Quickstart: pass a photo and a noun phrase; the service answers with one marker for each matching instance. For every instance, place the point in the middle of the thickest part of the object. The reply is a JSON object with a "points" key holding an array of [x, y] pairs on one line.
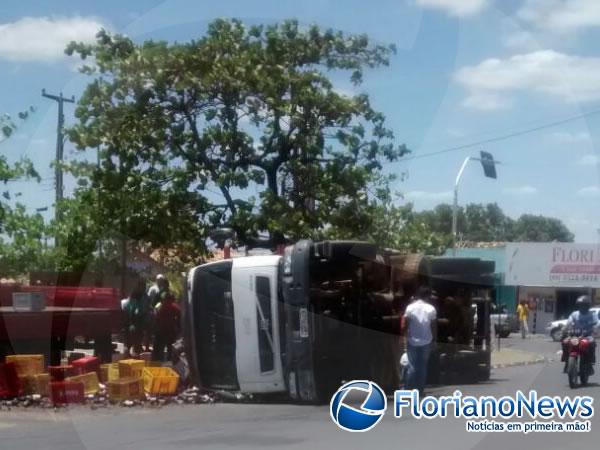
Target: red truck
{"points": [[88, 312]]}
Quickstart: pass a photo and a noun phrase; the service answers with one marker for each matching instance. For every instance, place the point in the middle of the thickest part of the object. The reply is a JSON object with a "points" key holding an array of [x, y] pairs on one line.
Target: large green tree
{"points": [[244, 127], [486, 223], [534, 228], [397, 227]]}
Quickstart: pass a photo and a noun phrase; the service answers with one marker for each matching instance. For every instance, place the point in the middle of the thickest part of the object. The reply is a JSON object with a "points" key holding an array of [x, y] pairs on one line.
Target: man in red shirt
{"points": [[168, 319]]}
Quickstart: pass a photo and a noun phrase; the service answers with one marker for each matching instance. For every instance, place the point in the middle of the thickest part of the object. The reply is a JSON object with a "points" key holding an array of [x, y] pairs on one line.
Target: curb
{"points": [[539, 360]]}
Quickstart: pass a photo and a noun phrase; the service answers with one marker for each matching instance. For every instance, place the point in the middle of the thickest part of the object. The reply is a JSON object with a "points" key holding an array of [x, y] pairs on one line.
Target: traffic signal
{"points": [[489, 165]]}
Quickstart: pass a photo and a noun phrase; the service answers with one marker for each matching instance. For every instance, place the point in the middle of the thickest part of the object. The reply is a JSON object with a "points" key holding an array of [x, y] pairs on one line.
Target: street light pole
{"points": [[489, 169], [455, 205]]}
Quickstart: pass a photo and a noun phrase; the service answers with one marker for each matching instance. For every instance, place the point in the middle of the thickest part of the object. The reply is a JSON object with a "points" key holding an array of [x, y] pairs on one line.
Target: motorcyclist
{"points": [[583, 322]]}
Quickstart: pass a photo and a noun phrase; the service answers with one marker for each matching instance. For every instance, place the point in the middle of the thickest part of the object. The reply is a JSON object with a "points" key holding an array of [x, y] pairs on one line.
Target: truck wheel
{"points": [[504, 334]]}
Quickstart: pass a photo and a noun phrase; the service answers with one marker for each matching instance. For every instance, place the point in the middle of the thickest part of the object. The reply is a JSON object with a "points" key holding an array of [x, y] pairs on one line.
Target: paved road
{"points": [[229, 426]]}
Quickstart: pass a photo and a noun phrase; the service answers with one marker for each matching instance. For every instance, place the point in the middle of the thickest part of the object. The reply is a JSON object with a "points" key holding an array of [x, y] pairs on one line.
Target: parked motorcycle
{"points": [[579, 361]]}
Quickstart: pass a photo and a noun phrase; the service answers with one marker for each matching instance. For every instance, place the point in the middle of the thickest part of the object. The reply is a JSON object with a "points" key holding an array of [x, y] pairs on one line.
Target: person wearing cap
{"points": [[582, 322]]}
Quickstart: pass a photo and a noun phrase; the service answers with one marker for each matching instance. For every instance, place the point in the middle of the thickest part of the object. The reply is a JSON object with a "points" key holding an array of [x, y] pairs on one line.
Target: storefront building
{"points": [[548, 276]]}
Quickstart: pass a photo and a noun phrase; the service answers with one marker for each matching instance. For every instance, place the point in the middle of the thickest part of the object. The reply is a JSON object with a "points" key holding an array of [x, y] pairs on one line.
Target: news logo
{"points": [[359, 418]]}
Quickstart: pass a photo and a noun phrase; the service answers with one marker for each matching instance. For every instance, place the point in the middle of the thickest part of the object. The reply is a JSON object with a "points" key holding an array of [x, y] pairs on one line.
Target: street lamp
{"points": [[489, 170]]}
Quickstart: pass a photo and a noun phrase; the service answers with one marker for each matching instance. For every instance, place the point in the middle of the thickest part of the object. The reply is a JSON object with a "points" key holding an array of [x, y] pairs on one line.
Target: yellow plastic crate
{"points": [[131, 368], [36, 384], [109, 372], [27, 364], [89, 380], [42, 384], [28, 382], [160, 380], [130, 388]]}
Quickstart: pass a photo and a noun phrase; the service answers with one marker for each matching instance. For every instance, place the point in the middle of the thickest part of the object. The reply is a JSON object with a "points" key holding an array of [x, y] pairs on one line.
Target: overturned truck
{"points": [[323, 313]]}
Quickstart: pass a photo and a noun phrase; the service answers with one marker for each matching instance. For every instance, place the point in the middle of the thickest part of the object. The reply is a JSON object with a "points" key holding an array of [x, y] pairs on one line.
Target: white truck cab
{"points": [[234, 317]]}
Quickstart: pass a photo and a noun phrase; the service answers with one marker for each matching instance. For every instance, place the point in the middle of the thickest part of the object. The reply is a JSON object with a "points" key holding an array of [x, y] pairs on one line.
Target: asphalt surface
{"points": [[282, 426]]}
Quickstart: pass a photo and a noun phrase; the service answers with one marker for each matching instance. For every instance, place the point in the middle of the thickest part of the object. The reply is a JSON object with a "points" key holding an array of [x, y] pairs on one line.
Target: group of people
{"points": [[152, 317]]}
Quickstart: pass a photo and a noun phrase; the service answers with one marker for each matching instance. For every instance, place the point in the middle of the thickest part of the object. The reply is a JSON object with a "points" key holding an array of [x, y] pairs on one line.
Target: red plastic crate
{"points": [[63, 392], [10, 384], [59, 373], [85, 365]]}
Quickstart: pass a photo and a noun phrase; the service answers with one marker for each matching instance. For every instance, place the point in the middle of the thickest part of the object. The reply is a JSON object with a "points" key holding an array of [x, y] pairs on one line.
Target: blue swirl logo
{"points": [[358, 418]]}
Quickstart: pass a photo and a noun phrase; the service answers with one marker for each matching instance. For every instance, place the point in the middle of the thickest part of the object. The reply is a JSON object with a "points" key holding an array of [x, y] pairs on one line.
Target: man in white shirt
{"points": [[420, 321]]}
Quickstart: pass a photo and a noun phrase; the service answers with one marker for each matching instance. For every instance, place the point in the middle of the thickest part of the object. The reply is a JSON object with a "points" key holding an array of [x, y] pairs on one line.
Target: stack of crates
{"points": [[85, 365], [131, 368], [86, 371], [30, 370], [160, 380], [62, 389]]}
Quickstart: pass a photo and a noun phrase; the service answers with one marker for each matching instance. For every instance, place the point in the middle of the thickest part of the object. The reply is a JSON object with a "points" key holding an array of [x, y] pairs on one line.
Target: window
{"points": [[264, 324]]}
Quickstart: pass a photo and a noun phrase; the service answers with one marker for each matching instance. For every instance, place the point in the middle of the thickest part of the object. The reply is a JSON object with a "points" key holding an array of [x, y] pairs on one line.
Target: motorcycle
{"points": [[579, 361]]}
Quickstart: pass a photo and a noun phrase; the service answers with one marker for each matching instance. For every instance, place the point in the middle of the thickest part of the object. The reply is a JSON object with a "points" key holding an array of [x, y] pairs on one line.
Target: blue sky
{"points": [[466, 71]]}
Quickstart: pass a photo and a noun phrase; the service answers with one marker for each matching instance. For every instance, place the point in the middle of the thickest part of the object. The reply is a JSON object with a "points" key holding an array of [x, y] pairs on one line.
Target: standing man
{"points": [[156, 291], [137, 311], [168, 320], [161, 285], [523, 314], [420, 321]]}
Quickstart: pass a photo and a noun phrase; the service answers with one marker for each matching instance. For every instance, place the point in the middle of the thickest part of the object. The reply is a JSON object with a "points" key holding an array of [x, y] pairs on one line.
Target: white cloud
{"points": [[432, 196], [545, 72], [589, 160], [561, 15], [589, 191], [521, 190], [566, 137], [459, 8], [486, 101], [44, 38], [521, 40]]}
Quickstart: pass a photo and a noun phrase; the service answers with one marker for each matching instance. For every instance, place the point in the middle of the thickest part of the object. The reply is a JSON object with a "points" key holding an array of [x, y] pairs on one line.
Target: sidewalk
{"points": [[507, 357]]}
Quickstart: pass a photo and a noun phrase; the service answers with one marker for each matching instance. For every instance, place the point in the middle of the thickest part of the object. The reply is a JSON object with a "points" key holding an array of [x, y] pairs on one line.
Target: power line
{"points": [[504, 137]]}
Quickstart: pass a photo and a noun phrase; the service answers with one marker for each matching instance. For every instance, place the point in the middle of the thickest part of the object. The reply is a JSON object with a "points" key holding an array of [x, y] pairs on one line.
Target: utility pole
{"points": [[58, 174]]}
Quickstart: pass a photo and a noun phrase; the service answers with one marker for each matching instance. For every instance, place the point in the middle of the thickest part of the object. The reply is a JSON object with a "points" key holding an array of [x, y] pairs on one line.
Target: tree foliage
{"points": [[243, 127], [22, 244], [486, 223]]}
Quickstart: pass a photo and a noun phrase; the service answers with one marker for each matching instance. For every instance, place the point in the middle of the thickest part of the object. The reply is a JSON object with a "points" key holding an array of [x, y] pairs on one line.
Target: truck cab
{"points": [[232, 313]]}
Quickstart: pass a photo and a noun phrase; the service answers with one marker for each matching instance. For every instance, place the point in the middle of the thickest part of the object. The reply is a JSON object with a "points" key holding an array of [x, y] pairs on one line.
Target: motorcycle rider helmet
{"points": [[583, 303]]}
